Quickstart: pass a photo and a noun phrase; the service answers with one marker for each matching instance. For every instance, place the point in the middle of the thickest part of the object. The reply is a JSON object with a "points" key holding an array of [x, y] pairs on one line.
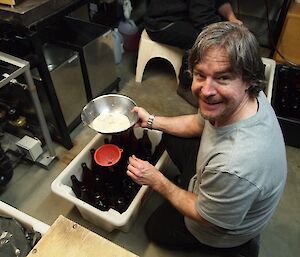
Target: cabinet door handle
{"points": [[74, 57]]}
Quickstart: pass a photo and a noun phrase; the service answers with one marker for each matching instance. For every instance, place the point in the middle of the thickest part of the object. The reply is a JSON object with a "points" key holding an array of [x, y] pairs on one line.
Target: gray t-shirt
{"points": [[241, 173]]}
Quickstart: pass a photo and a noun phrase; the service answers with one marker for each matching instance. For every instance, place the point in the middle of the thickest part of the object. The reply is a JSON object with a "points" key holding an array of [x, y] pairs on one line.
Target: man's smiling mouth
{"points": [[209, 102]]}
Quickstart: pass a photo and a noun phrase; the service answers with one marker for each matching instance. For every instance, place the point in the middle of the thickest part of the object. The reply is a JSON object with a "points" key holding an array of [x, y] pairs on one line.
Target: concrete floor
{"points": [[30, 192]]}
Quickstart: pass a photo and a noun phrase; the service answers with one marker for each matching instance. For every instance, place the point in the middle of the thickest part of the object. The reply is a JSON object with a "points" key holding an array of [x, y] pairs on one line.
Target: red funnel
{"points": [[107, 155]]}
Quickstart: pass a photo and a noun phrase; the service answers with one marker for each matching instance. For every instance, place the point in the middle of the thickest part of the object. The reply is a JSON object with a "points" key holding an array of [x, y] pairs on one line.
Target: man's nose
{"points": [[207, 87]]}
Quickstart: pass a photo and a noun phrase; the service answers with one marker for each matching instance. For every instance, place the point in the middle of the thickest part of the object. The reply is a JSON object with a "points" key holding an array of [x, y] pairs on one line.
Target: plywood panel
{"points": [[66, 238]]}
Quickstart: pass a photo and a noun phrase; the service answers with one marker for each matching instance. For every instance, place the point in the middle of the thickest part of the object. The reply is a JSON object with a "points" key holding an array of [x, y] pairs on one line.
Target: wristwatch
{"points": [[150, 121]]}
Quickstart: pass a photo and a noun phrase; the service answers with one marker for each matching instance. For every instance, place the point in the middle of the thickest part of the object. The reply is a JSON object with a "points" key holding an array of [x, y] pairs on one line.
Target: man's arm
{"points": [[143, 173], [184, 201], [225, 10], [182, 126]]}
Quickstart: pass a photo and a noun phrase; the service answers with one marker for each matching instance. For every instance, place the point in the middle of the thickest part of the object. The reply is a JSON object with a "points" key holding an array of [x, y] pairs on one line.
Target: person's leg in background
{"points": [[183, 152], [180, 34], [185, 80]]}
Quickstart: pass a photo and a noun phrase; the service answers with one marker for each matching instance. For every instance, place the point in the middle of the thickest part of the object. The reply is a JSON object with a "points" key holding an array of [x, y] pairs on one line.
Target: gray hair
{"points": [[242, 49]]}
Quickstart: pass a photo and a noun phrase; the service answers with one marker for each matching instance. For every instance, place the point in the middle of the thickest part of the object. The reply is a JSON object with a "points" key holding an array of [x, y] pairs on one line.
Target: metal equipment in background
{"points": [[11, 68], [64, 68], [94, 45]]}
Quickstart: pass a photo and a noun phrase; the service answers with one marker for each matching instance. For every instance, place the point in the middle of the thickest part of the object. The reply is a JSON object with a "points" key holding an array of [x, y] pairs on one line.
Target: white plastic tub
{"points": [[26, 220], [111, 219]]}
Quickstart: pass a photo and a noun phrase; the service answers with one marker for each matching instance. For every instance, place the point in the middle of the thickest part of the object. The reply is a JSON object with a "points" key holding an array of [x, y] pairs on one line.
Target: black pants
{"points": [[181, 34], [166, 225]]}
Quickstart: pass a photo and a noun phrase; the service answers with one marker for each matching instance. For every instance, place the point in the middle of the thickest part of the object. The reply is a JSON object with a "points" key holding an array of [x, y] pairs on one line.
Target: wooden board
{"points": [[66, 238]]}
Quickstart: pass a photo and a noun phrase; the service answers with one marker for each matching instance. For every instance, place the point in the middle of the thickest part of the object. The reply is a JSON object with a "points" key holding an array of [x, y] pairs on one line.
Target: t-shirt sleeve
{"points": [[224, 199]]}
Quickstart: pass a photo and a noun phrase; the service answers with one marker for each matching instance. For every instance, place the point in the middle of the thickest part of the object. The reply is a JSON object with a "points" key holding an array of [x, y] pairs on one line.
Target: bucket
{"points": [[130, 34], [118, 45]]}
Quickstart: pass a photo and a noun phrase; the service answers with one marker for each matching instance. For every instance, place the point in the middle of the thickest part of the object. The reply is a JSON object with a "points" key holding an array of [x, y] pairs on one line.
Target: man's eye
{"points": [[223, 79], [197, 75]]}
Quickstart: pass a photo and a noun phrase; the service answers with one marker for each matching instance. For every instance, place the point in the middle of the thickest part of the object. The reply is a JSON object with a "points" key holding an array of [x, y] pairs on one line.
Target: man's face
{"points": [[222, 96]]}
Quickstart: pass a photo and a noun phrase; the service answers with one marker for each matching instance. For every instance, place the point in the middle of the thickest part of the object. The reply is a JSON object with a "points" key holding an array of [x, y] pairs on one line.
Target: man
{"points": [[241, 163], [178, 23]]}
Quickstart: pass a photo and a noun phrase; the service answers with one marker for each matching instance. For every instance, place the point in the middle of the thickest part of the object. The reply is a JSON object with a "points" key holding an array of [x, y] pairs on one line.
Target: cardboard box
{"points": [[111, 219], [288, 41]]}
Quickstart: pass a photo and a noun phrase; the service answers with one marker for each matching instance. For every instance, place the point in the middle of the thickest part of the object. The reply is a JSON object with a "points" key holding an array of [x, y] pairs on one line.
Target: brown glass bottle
{"points": [[76, 186], [145, 146], [87, 176], [94, 165], [120, 139], [100, 202], [110, 194], [132, 143], [115, 139], [121, 205], [85, 195], [99, 183], [158, 151]]}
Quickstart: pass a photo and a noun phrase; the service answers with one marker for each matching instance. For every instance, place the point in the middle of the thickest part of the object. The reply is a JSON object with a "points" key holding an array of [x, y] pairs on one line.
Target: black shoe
{"points": [[187, 95]]}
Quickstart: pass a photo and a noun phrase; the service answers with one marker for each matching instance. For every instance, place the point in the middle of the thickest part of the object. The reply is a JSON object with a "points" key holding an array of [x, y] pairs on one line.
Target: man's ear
{"points": [[248, 87]]}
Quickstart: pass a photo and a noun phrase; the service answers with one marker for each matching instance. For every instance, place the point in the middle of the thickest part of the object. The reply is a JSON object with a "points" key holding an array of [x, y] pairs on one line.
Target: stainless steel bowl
{"points": [[111, 103]]}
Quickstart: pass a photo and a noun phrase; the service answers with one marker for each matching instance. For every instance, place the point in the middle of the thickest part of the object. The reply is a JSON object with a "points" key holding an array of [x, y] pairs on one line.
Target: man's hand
{"points": [[235, 20], [226, 11], [143, 117], [143, 173]]}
